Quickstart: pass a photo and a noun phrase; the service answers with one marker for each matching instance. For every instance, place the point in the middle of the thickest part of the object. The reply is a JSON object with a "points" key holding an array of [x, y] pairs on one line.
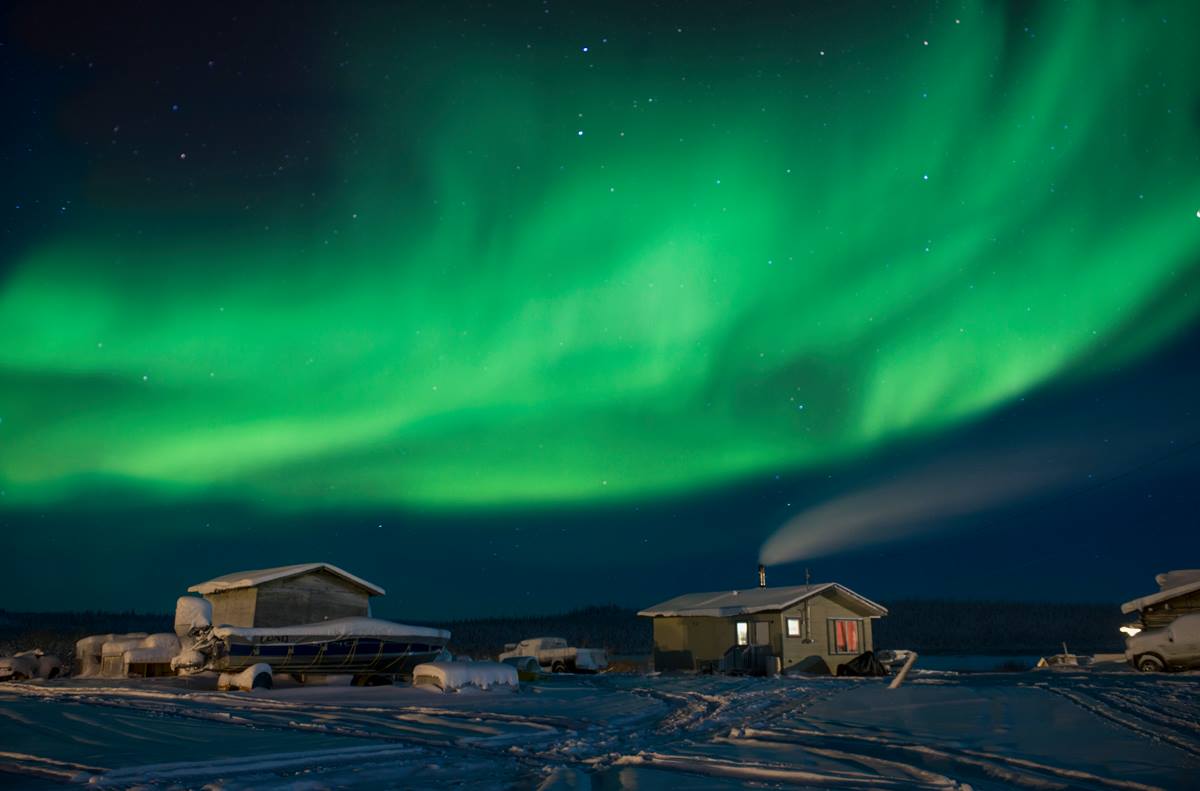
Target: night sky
{"points": [[515, 307]]}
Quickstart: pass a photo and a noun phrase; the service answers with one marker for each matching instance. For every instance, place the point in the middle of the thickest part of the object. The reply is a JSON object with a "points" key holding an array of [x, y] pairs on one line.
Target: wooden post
{"points": [[908, 663]]}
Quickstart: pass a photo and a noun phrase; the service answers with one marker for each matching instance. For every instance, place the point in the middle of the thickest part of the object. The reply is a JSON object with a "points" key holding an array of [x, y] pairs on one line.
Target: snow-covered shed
{"points": [[136, 654], [1178, 594], [809, 627], [287, 595]]}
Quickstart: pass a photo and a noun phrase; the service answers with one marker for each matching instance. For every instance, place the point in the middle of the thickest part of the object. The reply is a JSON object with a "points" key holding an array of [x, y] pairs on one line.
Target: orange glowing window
{"points": [[846, 636]]}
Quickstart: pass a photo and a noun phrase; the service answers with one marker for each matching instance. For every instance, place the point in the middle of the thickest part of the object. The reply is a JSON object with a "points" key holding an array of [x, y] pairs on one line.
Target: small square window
{"points": [[793, 627], [743, 633]]}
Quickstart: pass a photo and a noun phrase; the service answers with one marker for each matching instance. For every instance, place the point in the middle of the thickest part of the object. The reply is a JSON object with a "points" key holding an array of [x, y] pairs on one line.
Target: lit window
{"points": [[793, 627], [845, 636], [743, 633]]}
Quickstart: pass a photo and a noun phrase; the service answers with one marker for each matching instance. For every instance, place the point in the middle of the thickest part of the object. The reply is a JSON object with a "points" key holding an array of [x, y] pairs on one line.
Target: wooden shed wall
{"points": [[234, 607], [315, 596]]}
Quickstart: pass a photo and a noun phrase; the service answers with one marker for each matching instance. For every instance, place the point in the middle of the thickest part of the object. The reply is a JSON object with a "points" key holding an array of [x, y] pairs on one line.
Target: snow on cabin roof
{"points": [[249, 579], [1164, 595], [751, 600]]}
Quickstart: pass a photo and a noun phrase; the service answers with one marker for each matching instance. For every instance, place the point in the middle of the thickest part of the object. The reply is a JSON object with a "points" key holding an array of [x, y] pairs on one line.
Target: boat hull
{"points": [[357, 655]]}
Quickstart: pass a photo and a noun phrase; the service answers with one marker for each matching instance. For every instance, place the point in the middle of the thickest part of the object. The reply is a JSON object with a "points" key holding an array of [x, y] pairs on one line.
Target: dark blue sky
{"points": [[1124, 501]]}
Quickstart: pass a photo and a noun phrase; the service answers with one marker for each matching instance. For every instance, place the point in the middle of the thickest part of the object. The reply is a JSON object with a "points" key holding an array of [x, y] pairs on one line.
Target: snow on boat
{"points": [[365, 646]]}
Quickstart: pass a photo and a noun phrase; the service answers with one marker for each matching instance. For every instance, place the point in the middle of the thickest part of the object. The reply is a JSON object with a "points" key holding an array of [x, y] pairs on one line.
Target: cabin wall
{"points": [[309, 598], [818, 655], [686, 643], [234, 607]]}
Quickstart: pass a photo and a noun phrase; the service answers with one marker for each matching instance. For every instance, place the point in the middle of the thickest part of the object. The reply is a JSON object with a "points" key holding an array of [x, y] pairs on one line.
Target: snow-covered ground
{"points": [[1041, 730]]}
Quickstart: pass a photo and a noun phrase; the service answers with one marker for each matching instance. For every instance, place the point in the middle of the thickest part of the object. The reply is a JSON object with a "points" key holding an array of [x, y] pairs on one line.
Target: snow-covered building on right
{"points": [[812, 628], [1178, 594], [1167, 634]]}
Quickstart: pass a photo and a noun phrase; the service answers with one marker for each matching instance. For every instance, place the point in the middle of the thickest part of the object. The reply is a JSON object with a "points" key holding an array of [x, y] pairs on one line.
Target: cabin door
{"points": [[762, 632]]}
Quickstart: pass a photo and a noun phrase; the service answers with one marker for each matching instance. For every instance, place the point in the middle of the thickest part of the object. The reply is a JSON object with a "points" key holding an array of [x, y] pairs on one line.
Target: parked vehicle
{"points": [[553, 654], [29, 665], [1175, 646]]}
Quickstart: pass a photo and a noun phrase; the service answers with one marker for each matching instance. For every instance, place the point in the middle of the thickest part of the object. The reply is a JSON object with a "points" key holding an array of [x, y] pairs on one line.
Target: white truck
{"points": [[553, 654], [1175, 646]]}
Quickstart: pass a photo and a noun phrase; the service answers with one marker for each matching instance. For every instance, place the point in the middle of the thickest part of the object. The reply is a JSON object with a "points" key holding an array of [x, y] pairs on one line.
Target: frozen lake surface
{"points": [[1040, 730]]}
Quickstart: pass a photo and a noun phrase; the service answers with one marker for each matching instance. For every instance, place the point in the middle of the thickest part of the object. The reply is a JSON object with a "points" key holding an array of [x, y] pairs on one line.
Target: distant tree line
{"points": [[56, 632], [616, 629], [944, 626], [934, 626]]}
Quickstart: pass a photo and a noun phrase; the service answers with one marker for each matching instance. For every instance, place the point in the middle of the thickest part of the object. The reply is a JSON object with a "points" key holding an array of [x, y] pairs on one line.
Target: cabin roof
{"points": [[752, 600], [1162, 596], [254, 577]]}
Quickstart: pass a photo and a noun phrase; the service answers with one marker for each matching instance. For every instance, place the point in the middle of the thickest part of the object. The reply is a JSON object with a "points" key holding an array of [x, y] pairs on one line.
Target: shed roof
{"points": [[249, 579], [1164, 595], [752, 600]]}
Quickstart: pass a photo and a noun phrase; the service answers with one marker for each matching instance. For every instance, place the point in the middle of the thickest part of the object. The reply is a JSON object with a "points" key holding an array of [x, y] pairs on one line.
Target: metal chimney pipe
{"points": [[762, 576]]}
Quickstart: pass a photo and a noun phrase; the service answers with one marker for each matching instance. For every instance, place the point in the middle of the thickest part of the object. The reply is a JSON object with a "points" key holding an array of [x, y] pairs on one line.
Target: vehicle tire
{"points": [[262, 681], [1149, 663], [558, 667]]}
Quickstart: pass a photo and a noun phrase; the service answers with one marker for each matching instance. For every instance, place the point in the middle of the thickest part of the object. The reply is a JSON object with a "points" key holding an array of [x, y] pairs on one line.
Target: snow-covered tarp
{"points": [[21, 666], [189, 660], [153, 655], [249, 579], [89, 650], [192, 613], [30, 664], [119, 645], [115, 655], [454, 676], [254, 677], [334, 629]]}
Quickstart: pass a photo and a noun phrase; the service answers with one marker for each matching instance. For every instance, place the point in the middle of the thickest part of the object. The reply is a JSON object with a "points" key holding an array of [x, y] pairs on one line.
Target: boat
{"points": [[360, 646], [1064, 660]]}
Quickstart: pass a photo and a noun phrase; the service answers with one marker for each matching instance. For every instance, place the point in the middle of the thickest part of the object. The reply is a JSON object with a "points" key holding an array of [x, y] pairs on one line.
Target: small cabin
{"points": [[1178, 594], [811, 628], [287, 595]]}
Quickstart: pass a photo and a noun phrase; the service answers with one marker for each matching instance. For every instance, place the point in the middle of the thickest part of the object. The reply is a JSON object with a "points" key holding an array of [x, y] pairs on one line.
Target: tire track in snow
{"points": [[991, 763], [773, 772], [1101, 709]]}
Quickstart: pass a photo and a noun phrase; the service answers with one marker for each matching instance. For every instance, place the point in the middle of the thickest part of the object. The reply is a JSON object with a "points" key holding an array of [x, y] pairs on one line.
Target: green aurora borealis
{"points": [[757, 257]]}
